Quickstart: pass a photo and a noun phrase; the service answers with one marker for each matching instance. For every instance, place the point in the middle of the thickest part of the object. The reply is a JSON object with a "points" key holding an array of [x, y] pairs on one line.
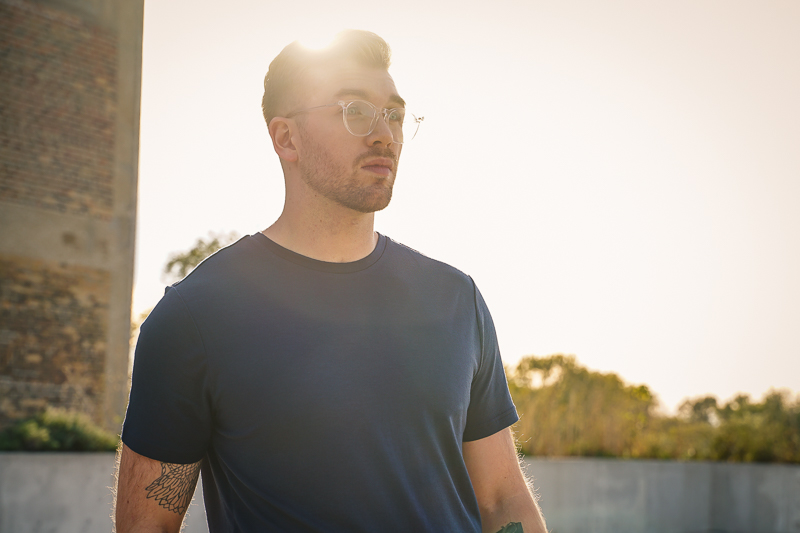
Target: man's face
{"points": [[355, 172]]}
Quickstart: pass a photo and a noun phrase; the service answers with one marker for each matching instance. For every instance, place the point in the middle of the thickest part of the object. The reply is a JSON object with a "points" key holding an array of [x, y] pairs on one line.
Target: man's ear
{"points": [[281, 132]]}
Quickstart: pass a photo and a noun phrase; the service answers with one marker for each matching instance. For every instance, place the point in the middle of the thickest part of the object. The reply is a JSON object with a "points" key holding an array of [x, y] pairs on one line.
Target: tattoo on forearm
{"points": [[511, 527], [174, 488]]}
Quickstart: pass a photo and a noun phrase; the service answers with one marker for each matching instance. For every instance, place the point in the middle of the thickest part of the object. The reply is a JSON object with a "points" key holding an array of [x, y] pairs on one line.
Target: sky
{"points": [[620, 178]]}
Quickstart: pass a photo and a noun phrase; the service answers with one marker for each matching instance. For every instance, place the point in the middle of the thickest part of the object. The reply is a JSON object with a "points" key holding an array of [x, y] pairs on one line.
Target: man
{"points": [[323, 377]]}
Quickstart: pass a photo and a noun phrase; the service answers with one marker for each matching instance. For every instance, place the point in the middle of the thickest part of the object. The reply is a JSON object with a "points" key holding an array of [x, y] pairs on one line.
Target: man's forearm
{"points": [[152, 496], [522, 510]]}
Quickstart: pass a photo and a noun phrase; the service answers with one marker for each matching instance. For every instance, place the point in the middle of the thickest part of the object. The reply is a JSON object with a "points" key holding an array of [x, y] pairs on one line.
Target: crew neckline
{"points": [[324, 266]]}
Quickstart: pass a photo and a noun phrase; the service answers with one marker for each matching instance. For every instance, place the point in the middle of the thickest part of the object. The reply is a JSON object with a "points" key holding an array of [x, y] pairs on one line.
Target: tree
{"points": [[570, 410], [768, 431], [566, 409], [181, 263]]}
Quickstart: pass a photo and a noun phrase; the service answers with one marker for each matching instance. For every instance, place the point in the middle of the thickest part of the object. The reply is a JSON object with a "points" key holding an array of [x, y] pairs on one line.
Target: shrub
{"points": [[568, 410], [57, 430]]}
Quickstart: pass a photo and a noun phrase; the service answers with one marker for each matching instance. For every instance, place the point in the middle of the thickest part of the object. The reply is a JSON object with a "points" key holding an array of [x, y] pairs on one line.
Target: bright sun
{"points": [[316, 39]]}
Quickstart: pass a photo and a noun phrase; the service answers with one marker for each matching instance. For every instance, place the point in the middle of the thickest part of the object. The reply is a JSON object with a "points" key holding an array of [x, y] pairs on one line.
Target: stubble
{"points": [[334, 181]]}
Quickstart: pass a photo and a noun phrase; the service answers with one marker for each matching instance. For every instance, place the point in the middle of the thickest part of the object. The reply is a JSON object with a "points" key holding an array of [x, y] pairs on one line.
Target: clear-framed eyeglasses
{"points": [[360, 118]]}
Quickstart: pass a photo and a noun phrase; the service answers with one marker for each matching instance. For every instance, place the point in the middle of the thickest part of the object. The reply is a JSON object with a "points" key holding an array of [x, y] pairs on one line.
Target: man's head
{"points": [[286, 82], [315, 129]]}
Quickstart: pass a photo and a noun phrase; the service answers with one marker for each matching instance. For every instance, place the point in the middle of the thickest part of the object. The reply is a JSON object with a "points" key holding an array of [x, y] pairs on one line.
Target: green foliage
{"points": [[765, 432], [568, 410], [180, 264], [57, 430]]}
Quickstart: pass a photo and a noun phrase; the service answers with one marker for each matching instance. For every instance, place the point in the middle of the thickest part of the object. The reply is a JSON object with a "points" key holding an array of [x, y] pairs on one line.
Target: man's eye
{"points": [[356, 110], [396, 115]]}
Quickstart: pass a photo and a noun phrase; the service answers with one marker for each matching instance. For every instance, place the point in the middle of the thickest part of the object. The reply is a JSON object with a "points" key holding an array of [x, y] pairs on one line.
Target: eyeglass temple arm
{"points": [[301, 111]]}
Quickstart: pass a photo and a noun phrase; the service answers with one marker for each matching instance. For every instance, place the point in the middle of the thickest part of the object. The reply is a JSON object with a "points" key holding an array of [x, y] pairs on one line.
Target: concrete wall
{"points": [[65, 493], [636, 496], [70, 79], [71, 493]]}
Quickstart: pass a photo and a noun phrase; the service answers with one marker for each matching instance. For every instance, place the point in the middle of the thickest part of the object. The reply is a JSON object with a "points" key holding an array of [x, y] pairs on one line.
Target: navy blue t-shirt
{"points": [[322, 396]]}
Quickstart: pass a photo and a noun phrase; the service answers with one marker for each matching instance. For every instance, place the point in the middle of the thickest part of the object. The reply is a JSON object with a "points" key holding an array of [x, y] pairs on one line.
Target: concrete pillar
{"points": [[70, 83]]}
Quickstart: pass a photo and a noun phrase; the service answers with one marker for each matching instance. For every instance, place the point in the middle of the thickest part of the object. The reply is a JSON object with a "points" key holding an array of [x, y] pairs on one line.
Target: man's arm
{"points": [[152, 496], [500, 487]]}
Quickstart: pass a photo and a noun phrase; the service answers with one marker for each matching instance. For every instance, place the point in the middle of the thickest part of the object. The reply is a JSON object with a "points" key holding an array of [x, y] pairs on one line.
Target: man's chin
{"points": [[372, 207], [369, 203]]}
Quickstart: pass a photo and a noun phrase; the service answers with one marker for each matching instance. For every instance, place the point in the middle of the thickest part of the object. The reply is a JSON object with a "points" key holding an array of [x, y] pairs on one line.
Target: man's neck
{"points": [[324, 236]]}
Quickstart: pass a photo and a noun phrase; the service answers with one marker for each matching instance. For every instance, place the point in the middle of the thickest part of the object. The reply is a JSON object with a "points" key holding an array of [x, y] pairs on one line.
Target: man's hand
{"points": [[152, 496], [504, 499]]}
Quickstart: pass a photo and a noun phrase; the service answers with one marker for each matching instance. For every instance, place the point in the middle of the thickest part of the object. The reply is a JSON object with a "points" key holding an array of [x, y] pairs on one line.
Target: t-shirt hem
{"points": [[498, 423], [156, 453]]}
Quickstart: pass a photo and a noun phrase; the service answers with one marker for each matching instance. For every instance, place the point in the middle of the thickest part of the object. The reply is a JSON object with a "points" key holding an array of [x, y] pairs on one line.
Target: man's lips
{"points": [[381, 166]]}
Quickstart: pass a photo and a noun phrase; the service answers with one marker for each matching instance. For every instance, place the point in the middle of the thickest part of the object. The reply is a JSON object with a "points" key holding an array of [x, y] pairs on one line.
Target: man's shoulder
{"points": [[227, 258], [223, 270], [409, 257]]}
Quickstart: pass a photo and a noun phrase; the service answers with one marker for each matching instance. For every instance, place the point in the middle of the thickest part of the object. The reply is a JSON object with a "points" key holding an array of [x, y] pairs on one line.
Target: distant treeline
{"points": [[567, 410]]}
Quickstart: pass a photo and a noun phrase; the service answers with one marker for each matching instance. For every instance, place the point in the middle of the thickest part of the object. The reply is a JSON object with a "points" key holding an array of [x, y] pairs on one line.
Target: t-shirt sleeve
{"points": [[169, 415], [490, 407]]}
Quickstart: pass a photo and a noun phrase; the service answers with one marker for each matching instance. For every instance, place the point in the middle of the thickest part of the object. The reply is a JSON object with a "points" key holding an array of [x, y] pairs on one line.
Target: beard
{"points": [[334, 181]]}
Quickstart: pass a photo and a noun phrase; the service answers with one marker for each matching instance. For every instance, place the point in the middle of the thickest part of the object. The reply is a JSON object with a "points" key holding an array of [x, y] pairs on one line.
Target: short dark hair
{"points": [[287, 72]]}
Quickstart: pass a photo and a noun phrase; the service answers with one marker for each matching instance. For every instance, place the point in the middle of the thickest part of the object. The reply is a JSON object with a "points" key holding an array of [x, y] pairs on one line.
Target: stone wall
{"points": [[57, 111], [70, 78], [53, 343]]}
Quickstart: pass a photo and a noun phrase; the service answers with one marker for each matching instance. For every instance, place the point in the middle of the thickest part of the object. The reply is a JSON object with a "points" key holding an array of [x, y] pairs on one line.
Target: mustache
{"points": [[378, 152]]}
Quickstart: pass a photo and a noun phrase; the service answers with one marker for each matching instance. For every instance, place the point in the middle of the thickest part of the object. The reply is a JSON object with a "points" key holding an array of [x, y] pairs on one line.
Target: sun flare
{"points": [[316, 39]]}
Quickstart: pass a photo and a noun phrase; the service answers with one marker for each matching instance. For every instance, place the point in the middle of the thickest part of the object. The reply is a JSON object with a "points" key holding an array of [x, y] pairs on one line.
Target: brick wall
{"points": [[57, 110], [70, 79], [53, 328]]}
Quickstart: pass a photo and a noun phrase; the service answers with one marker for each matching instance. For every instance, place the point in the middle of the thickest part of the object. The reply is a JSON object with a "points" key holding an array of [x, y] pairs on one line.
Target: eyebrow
{"points": [[395, 98]]}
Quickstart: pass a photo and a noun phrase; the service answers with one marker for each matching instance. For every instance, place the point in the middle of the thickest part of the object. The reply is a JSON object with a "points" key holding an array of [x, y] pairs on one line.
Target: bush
{"points": [[568, 410], [57, 430]]}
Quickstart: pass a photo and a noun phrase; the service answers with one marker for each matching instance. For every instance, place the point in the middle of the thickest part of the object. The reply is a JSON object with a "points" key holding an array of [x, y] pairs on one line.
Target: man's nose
{"points": [[382, 132]]}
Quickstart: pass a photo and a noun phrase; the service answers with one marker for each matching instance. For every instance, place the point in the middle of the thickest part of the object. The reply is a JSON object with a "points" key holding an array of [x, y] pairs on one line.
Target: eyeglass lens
{"points": [[361, 118]]}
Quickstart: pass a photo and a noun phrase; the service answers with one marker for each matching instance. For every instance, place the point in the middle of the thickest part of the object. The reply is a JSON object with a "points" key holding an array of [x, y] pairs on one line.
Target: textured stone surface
{"points": [[57, 110], [53, 331], [70, 81]]}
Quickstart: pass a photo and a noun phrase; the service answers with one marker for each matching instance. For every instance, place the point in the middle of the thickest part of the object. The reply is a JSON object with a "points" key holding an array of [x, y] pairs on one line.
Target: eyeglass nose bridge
{"points": [[385, 114], [376, 113]]}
